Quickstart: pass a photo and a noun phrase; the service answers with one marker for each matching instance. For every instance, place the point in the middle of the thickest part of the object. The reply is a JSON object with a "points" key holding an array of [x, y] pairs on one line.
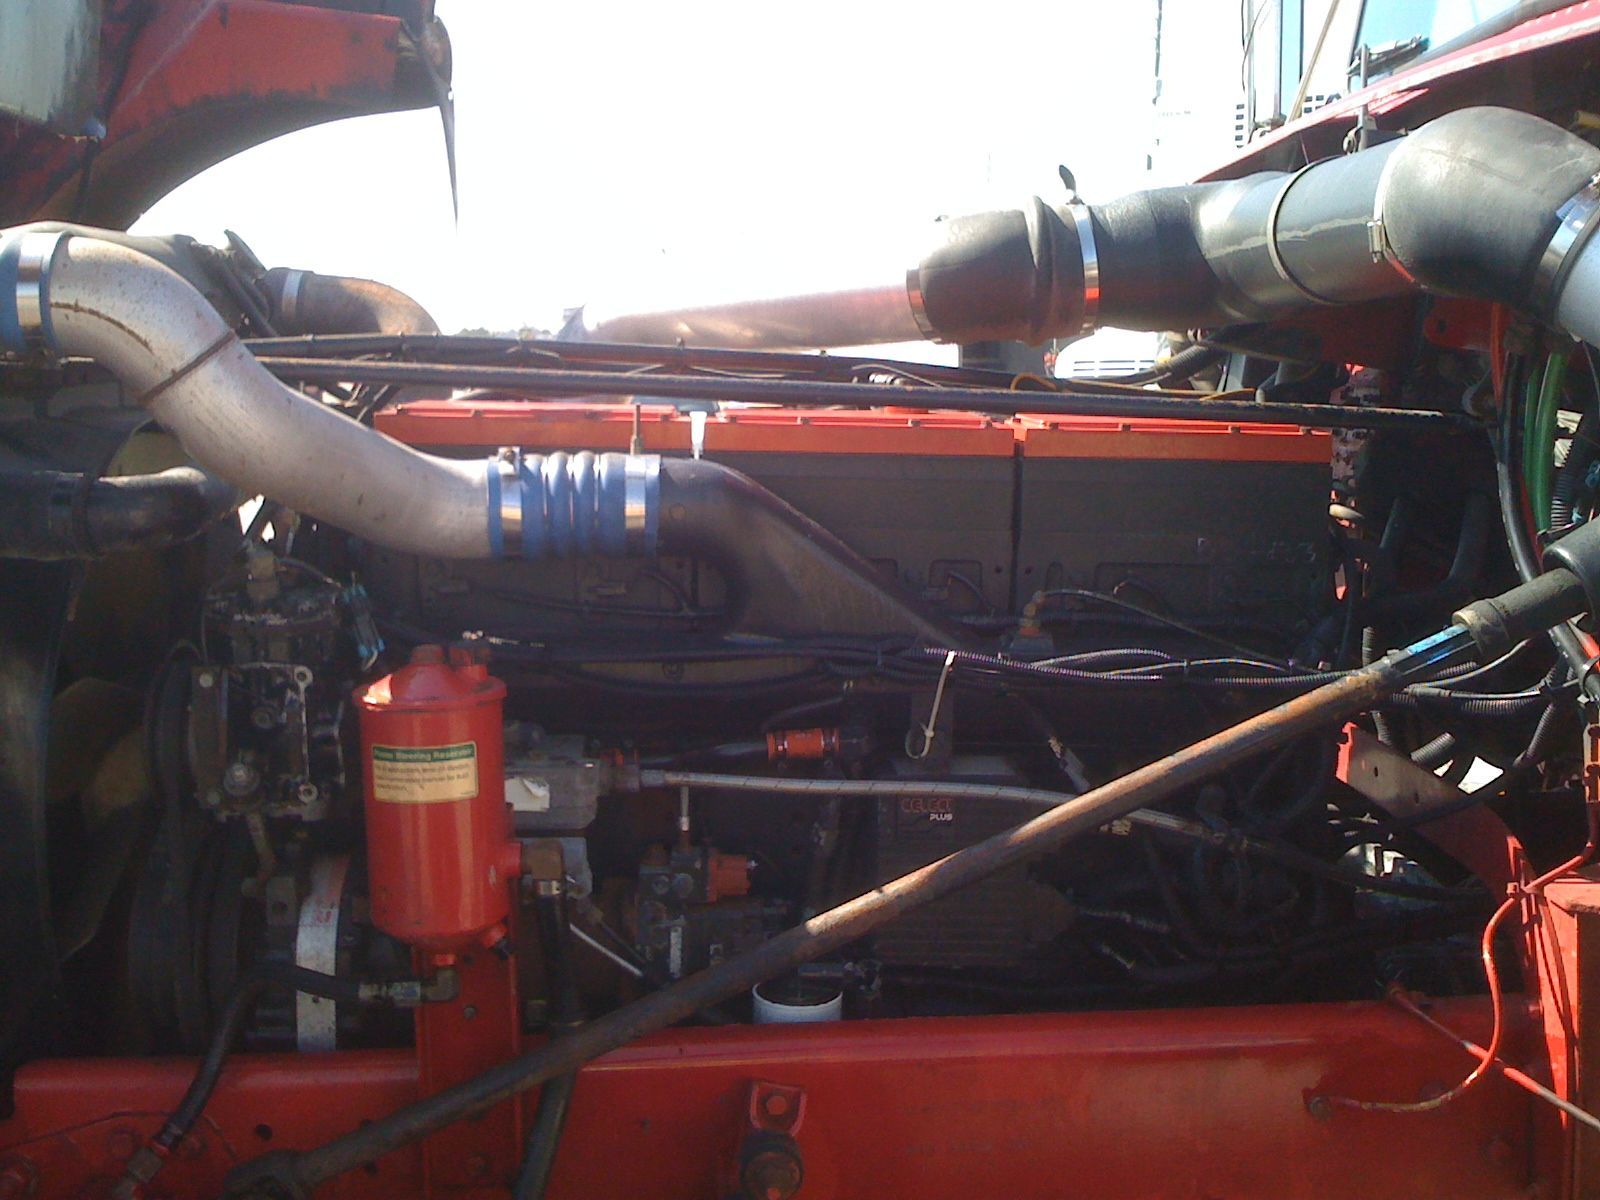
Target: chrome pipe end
{"points": [[25, 261]]}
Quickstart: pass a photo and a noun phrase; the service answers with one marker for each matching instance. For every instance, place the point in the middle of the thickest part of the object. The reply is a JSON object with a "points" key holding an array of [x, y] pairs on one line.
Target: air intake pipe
{"points": [[1485, 202], [306, 302], [75, 295]]}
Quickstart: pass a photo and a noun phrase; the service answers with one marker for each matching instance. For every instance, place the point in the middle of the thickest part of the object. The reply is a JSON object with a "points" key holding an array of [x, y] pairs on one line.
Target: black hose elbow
{"points": [[1468, 202], [1003, 276], [62, 515], [787, 575], [303, 302]]}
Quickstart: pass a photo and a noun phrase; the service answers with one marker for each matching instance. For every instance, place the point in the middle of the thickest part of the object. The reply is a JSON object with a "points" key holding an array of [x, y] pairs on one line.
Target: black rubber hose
{"points": [[1464, 205], [1186, 363], [1472, 549], [148, 1161], [1543, 735], [786, 574], [1005, 276], [566, 1015], [303, 302], [63, 515], [1470, 202], [1434, 754]]}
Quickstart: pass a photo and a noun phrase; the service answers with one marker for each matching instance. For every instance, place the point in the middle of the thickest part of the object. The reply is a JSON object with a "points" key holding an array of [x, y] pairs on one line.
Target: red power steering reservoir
{"points": [[440, 853]]}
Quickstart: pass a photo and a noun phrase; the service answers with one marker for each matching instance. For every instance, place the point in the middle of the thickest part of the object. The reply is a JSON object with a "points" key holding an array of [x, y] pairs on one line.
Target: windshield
{"points": [[1387, 22]]}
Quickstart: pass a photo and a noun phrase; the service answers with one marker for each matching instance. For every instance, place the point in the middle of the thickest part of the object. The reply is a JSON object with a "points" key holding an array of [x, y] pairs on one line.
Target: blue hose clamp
{"points": [[573, 505], [25, 261]]}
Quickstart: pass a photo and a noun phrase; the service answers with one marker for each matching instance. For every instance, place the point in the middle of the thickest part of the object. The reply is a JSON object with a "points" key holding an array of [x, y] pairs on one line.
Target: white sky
{"points": [[632, 153]]}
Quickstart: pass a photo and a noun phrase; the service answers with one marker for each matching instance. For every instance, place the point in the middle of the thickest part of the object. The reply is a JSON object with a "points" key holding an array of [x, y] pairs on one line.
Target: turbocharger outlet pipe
{"points": [[294, 302], [75, 295], [303, 302], [1489, 203]]}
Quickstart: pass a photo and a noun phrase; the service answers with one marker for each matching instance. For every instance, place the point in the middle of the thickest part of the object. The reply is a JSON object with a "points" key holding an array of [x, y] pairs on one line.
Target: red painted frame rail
{"points": [[1178, 1103]]}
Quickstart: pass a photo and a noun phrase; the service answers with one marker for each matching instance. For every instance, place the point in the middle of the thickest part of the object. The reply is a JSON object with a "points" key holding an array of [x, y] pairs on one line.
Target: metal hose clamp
{"points": [[641, 475], [25, 283], [919, 308], [1575, 224], [1083, 220], [289, 298], [508, 464]]}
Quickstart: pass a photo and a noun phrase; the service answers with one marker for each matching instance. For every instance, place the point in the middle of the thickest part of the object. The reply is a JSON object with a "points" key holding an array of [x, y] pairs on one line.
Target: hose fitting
{"points": [[25, 261], [573, 505]]}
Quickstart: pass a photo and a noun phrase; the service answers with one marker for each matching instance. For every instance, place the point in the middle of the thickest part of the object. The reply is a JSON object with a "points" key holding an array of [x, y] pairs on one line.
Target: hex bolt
{"points": [[240, 779], [770, 1167]]}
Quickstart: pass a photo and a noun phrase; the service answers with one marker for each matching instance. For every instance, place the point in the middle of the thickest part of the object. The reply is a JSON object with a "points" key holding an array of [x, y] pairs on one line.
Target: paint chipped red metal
{"points": [[1189, 1103]]}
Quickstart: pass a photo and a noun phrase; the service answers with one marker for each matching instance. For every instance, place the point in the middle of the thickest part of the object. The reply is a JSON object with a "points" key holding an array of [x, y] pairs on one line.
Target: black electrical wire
{"points": [[1138, 610], [893, 659], [1305, 950], [1233, 842], [1185, 363], [1435, 753]]}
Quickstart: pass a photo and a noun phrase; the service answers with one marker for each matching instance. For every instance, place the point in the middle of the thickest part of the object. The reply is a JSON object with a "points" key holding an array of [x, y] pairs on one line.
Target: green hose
{"points": [[1542, 403]]}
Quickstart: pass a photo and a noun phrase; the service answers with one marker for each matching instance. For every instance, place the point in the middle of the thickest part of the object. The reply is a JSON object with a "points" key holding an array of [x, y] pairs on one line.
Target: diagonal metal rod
{"points": [[802, 393], [285, 1174]]}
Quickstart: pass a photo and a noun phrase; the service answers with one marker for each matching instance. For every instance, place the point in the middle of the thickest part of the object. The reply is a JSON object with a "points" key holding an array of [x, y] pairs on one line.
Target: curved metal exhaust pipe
{"points": [[1490, 203], [178, 359]]}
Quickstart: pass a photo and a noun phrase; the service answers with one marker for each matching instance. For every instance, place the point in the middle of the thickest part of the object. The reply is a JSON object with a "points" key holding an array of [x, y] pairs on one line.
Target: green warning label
{"points": [[425, 774]]}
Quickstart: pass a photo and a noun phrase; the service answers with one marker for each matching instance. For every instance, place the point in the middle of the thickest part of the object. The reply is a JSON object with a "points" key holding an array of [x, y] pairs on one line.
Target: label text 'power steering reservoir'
{"points": [[425, 774]]}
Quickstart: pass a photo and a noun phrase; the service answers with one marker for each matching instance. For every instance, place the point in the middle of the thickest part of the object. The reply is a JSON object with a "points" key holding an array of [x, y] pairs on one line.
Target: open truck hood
{"points": [[114, 105]]}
